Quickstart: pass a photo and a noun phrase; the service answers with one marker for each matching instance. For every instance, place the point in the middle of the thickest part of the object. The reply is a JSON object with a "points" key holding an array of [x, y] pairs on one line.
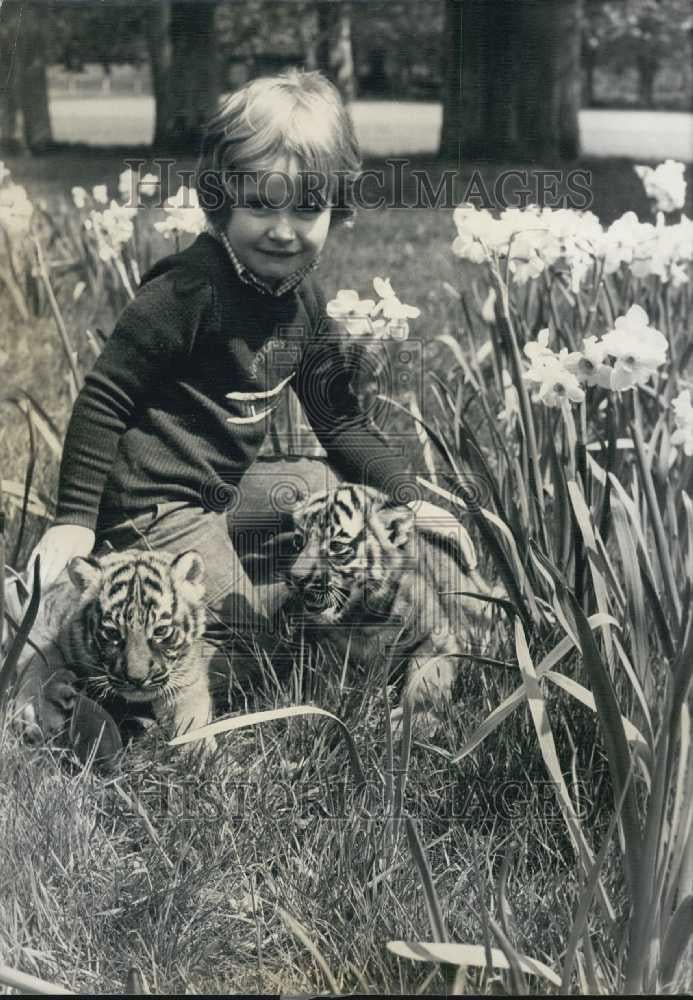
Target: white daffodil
{"points": [[112, 228], [100, 194], [354, 313], [588, 365], [383, 288], [488, 309], [638, 349], [683, 417], [511, 411], [127, 184], [665, 184], [478, 234], [79, 196], [130, 184], [183, 214], [149, 185], [348, 304], [390, 306], [557, 385], [524, 260], [15, 209], [469, 248], [618, 243], [539, 348], [395, 310]]}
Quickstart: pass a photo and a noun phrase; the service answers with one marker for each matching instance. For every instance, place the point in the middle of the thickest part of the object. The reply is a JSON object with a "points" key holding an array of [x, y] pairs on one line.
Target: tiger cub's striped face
{"points": [[351, 541], [141, 615]]}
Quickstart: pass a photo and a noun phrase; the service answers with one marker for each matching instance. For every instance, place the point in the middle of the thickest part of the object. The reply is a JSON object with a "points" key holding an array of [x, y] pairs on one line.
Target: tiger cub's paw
{"points": [[44, 706]]}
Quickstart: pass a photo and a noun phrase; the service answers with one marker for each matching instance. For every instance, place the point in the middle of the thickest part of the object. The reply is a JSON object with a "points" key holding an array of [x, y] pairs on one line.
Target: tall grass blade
{"points": [[435, 911], [507, 335], [68, 347], [514, 959], [547, 745], [22, 634], [655, 514], [676, 941], [31, 984], [577, 928], [272, 715], [585, 697], [635, 592], [468, 955], [299, 931], [616, 745], [509, 704], [136, 984], [510, 580]]}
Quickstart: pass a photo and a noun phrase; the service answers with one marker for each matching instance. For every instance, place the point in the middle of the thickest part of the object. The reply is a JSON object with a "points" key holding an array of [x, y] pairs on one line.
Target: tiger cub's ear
{"points": [[84, 572], [399, 524], [189, 567]]}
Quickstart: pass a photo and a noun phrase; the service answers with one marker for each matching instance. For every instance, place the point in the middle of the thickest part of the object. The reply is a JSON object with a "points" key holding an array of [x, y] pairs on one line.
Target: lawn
{"points": [[386, 127], [270, 869]]}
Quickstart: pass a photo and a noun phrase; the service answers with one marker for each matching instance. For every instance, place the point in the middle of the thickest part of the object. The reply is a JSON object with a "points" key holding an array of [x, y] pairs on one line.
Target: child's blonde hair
{"points": [[295, 113]]}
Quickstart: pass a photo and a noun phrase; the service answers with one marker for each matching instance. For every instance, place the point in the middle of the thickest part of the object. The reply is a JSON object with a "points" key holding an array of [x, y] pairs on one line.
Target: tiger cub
{"points": [[369, 567], [130, 636]]}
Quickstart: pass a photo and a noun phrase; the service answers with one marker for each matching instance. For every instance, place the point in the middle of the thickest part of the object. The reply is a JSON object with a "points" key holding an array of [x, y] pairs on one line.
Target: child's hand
{"points": [[61, 543]]}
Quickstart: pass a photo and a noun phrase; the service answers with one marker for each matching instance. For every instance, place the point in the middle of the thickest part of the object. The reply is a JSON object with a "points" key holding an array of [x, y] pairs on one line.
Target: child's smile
{"points": [[273, 231]]}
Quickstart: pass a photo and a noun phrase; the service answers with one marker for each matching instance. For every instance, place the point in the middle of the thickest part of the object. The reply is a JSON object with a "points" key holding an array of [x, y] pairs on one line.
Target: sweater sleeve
{"points": [[357, 449], [153, 334]]}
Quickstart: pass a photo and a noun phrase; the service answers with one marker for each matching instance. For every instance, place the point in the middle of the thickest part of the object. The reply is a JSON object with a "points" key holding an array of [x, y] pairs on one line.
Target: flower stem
{"points": [[57, 316], [508, 335], [655, 514]]}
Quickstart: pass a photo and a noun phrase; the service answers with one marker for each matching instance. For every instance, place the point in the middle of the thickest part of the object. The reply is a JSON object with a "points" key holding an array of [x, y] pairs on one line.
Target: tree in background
{"points": [[182, 43], [398, 47], [511, 80], [639, 33], [34, 35], [335, 55], [24, 115]]}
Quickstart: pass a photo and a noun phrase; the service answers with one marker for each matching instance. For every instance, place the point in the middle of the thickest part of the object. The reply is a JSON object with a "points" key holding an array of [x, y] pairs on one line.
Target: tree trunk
{"points": [[450, 135], [334, 50], [647, 64], [181, 37], [511, 80], [11, 138], [157, 28], [25, 84], [34, 86], [589, 66]]}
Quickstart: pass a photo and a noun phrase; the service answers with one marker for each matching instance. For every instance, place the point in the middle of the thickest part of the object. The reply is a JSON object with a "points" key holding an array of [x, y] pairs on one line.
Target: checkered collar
{"points": [[247, 276]]}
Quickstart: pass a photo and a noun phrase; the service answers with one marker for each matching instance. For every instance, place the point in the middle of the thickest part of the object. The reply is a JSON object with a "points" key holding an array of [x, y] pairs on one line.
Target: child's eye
{"points": [[311, 206], [255, 205]]}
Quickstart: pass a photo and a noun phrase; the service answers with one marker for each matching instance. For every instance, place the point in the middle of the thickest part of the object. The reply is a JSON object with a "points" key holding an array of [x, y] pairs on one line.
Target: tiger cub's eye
{"points": [[162, 633], [341, 550], [298, 541], [110, 633]]}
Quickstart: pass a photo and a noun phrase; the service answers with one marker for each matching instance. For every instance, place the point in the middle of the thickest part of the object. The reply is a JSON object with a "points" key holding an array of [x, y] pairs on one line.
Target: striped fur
{"points": [[370, 569], [129, 627]]}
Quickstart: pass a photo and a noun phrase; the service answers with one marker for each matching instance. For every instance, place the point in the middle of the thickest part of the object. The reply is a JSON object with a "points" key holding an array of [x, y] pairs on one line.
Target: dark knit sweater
{"points": [[176, 405]]}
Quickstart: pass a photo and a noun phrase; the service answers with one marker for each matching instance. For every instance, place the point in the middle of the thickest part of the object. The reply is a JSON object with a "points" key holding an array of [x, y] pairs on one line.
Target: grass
{"points": [[269, 869], [269, 824]]}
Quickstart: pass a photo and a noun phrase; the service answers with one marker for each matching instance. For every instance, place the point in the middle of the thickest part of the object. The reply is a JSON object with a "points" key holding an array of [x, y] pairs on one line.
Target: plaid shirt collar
{"points": [[247, 276]]}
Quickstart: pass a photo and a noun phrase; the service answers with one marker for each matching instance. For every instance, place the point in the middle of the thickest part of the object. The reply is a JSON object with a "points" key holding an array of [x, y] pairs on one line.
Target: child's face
{"points": [[272, 238]]}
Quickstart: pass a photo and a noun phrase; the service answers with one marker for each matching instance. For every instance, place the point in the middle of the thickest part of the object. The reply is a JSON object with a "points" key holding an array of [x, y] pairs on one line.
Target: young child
{"points": [[177, 405]]}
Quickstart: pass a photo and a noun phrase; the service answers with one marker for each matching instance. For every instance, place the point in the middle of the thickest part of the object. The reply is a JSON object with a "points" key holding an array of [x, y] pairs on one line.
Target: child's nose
{"points": [[282, 230]]}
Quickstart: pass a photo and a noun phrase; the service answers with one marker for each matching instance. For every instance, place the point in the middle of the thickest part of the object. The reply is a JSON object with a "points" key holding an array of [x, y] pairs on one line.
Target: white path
{"points": [[386, 127]]}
